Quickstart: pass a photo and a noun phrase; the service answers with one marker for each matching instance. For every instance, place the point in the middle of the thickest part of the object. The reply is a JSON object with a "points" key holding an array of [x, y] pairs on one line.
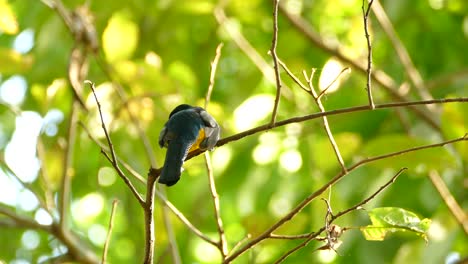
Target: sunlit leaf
{"points": [[393, 219], [183, 75], [12, 62], [120, 37], [8, 21], [454, 123]]}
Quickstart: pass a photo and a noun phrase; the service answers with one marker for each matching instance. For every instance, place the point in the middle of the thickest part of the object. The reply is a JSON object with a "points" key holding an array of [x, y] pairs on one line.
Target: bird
{"points": [[189, 128]]}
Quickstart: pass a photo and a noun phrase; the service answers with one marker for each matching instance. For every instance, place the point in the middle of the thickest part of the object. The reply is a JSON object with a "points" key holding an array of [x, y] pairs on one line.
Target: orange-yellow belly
{"points": [[200, 138]]}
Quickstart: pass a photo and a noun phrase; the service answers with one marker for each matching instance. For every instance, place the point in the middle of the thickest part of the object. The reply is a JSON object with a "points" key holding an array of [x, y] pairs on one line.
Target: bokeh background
{"points": [[160, 54]]}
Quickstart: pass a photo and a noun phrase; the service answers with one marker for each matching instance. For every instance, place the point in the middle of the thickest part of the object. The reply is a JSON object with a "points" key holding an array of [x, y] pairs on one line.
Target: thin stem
{"points": [[365, 14], [113, 158], [222, 245], [449, 200], [109, 231], [219, 222], [213, 67], [326, 126], [64, 200], [266, 234], [184, 220], [274, 43], [403, 55], [381, 78], [358, 205]]}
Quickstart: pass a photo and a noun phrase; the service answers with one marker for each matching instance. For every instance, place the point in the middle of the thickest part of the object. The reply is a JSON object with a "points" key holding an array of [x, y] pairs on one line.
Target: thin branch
{"points": [[296, 248], [448, 79], [173, 247], [365, 14], [109, 231], [381, 78], [274, 43], [108, 70], [246, 47], [64, 200], [27, 186], [240, 242], [219, 222], [449, 200], [293, 77], [22, 221], [411, 70], [222, 245], [355, 109], [358, 205], [266, 234], [113, 158], [333, 231], [106, 149], [44, 178], [213, 67], [184, 220], [343, 71], [326, 126], [74, 246], [289, 237]]}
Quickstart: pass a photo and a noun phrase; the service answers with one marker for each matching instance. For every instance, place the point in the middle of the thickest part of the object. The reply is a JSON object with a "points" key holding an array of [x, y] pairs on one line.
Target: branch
{"points": [[64, 200], [358, 205], [173, 247], [274, 43], [106, 149], [213, 67], [299, 119], [379, 77], [184, 220], [113, 158], [222, 245], [333, 231], [21, 221], [108, 70], [365, 14], [109, 231], [449, 200], [266, 234], [326, 126], [245, 46], [405, 59]]}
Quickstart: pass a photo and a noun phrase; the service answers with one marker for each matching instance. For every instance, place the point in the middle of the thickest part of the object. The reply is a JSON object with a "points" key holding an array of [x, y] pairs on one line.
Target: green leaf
{"points": [[393, 219]]}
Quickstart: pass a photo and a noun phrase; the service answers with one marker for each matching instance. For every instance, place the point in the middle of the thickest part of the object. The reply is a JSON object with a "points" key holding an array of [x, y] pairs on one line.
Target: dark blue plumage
{"points": [[188, 128]]}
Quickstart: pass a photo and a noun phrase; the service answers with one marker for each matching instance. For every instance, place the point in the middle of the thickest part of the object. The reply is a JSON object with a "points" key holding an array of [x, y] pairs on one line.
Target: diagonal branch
{"points": [[379, 77], [113, 158], [267, 233], [326, 126], [449, 200], [358, 205], [411, 70]]}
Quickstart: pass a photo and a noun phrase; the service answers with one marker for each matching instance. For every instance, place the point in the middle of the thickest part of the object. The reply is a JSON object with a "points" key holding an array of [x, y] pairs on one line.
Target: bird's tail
{"points": [[175, 156]]}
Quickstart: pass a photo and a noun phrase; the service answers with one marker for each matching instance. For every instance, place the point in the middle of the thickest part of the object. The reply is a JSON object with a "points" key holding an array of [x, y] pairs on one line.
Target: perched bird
{"points": [[188, 128]]}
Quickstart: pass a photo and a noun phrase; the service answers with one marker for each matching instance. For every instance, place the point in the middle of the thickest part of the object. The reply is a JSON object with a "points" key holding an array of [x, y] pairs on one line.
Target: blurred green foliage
{"points": [[161, 52]]}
